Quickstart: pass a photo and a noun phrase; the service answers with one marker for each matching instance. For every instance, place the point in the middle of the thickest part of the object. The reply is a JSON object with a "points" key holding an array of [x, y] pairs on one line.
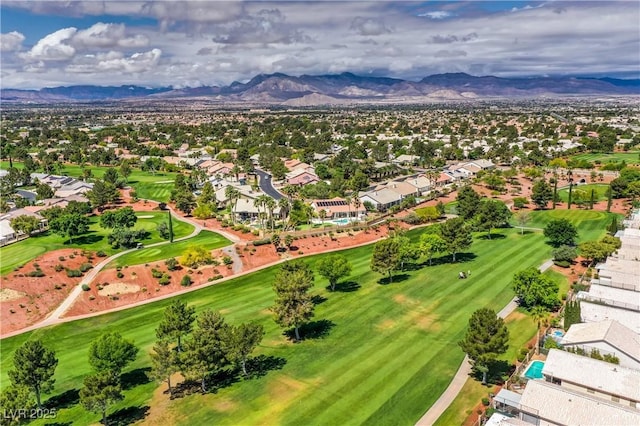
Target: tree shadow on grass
{"points": [[134, 378], [498, 372], [65, 400], [313, 330], [396, 278], [464, 257], [317, 299], [345, 287], [494, 237], [85, 239], [260, 365], [129, 415]]}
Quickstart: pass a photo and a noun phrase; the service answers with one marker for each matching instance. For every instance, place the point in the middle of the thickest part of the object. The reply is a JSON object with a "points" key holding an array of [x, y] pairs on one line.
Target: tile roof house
{"points": [[338, 208], [609, 337], [246, 209], [381, 199], [301, 177], [420, 182]]}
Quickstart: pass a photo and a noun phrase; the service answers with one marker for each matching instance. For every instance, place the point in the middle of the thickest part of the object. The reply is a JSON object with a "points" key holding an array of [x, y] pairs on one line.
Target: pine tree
{"points": [[34, 366], [294, 306]]}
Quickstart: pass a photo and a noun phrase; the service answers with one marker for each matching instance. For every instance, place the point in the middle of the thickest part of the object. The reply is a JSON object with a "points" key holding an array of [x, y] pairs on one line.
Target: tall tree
{"points": [[102, 194], [456, 235], [70, 225], [177, 322], [44, 191], [538, 315], [164, 363], [204, 352], [468, 202], [293, 305], [491, 214], [523, 217], [99, 392], [535, 289], [241, 341], [541, 193], [430, 244], [14, 400], [125, 170], [333, 268], [561, 232], [121, 218], [386, 257], [34, 366], [111, 353], [487, 337], [25, 224]]}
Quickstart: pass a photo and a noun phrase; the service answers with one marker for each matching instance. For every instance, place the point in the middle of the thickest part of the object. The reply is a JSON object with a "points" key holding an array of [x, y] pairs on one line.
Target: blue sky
{"points": [[150, 43]]}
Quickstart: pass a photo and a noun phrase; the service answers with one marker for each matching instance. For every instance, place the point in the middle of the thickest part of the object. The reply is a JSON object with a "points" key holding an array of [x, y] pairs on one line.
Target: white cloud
{"points": [[438, 14], [52, 47], [10, 42], [116, 62], [369, 26], [103, 35]]}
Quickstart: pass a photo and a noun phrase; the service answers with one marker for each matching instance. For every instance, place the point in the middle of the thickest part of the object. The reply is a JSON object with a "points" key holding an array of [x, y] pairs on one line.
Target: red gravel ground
{"points": [[40, 293]]}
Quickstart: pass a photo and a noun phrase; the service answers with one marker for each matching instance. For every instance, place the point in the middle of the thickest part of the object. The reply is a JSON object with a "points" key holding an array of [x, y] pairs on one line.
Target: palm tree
{"points": [[538, 315], [348, 200], [271, 205], [261, 201], [357, 203], [285, 206], [233, 195]]}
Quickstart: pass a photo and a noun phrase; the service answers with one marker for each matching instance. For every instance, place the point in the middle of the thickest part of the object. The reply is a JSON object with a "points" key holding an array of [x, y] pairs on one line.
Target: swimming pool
{"points": [[535, 370], [558, 333], [340, 221]]}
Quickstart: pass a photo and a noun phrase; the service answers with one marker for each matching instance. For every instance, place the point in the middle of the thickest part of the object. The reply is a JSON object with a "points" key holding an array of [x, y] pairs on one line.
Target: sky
{"points": [[191, 44]]}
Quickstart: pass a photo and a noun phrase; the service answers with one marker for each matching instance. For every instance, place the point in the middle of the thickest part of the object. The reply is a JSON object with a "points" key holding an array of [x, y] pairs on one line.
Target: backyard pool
{"points": [[558, 333], [340, 221], [535, 370]]}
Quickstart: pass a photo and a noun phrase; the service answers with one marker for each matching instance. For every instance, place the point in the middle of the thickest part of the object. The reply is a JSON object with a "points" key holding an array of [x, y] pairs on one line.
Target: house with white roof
{"points": [[7, 233], [546, 404], [381, 199], [608, 337], [598, 378]]}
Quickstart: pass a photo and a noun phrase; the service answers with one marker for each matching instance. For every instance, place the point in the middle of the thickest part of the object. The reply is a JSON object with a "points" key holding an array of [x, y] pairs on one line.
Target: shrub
{"points": [[74, 273], [227, 260], [61, 258], [85, 267], [155, 273], [216, 277], [164, 280], [261, 242], [71, 256], [85, 287], [185, 281], [485, 402], [92, 297], [172, 264], [562, 263], [194, 256], [58, 267], [100, 253], [35, 273], [120, 274], [57, 287]]}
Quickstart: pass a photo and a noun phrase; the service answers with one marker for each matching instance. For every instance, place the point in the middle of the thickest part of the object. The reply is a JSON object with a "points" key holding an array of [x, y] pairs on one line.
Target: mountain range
{"points": [[345, 88]]}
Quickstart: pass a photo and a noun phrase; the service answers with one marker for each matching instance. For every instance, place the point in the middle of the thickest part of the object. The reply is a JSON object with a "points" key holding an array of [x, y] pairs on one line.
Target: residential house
{"points": [[421, 183], [301, 177], [403, 188], [444, 179], [246, 209], [75, 188], [406, 160], [381, 199], [7, 234], [338, 208], [608, 337]]}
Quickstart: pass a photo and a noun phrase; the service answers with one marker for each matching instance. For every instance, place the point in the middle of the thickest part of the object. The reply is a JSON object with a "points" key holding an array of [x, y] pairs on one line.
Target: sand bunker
{"points": [[7, 294], [118, 288]]}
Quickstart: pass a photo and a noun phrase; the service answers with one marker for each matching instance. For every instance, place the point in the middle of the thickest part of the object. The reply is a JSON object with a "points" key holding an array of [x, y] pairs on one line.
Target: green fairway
{"points": [[389, 350], [21, 252], [521, 329], [631, 157], [206, 239], [583, 193], [591, 224], [148, 186]]}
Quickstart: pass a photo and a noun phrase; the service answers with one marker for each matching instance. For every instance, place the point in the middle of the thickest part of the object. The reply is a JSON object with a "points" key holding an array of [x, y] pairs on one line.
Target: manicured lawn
{"points": [[21, 252], [388, 352], [521, 330], [591, 224], [206, 239], [631, 157], [599, 194], [148, 186]]}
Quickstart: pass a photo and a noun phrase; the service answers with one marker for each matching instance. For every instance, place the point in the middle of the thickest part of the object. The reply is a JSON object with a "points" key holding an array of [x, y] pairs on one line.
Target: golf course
{"points": [[23, 251], [375, 353]]}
